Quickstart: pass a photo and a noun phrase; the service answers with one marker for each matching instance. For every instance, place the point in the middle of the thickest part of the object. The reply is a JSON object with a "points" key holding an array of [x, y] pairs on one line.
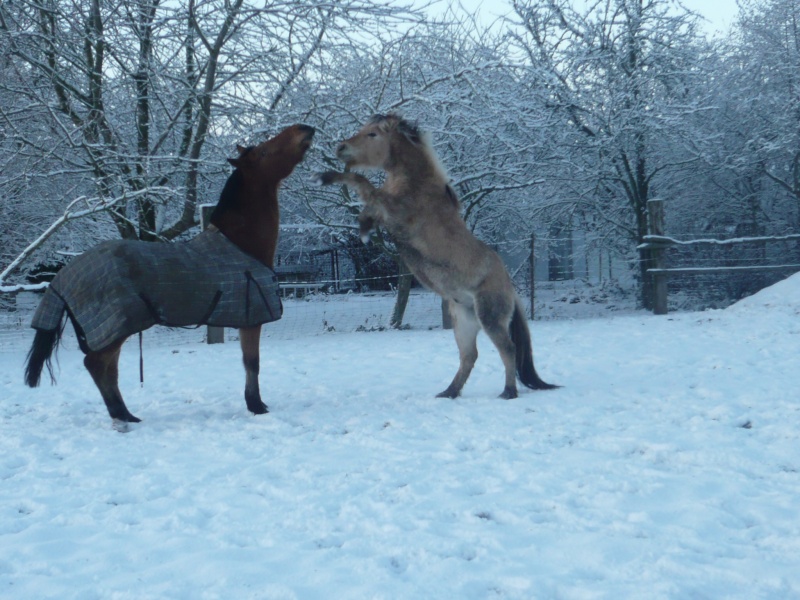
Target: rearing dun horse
{"points": [[421, 212], [222, 277]]}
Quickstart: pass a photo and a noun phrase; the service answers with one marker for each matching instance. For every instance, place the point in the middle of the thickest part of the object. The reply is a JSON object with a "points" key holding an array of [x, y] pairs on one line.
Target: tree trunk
{"points": [[646, 295], [404, 282], [447, 318], [147, 221]]}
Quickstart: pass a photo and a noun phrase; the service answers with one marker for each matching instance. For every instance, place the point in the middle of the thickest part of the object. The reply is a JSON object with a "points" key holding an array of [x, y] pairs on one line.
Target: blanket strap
{"points": [[141, 362], [249, 276]]}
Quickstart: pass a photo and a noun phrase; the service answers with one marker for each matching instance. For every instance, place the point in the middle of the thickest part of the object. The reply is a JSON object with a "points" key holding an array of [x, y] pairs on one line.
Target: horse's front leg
{"points": [[250, 338], [368, 193], [368, 221]]}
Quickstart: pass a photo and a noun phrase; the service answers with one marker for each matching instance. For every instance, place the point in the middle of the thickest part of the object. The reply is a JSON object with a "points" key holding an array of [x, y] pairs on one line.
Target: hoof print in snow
{"points": [[120, 425]]}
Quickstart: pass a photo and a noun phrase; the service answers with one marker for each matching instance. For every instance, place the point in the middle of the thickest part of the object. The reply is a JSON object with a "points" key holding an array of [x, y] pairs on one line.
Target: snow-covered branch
{"points": [[93, 206]]}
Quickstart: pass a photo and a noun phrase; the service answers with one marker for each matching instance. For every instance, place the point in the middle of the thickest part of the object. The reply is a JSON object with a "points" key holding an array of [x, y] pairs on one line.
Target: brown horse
{"points": [[421, 212], [121, 287]]}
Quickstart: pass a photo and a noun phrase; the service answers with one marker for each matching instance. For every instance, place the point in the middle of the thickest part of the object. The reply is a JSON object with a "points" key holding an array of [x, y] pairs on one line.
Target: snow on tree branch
{"points": [[94, 206]]}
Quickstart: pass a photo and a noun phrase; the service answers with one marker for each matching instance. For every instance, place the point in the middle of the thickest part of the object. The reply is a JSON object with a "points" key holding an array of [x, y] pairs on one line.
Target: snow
{"points": [[667, 466]]}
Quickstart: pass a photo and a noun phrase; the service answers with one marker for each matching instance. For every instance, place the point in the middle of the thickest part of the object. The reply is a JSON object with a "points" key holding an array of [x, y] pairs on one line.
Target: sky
{"points": [[719, 13]]}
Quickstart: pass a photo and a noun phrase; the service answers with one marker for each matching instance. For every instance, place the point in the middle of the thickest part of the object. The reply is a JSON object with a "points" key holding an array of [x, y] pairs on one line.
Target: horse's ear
{"points": [[410, 131], [242, 150], [384, 124]]}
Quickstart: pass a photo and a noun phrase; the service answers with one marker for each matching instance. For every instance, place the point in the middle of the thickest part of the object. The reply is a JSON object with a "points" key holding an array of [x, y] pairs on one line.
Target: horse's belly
{"points": [[442, 280]]}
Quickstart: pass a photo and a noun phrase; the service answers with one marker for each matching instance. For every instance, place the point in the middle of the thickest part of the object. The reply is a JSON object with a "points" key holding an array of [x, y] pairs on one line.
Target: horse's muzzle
{"points": [[308, 130], [308, 134], [343, 152]]}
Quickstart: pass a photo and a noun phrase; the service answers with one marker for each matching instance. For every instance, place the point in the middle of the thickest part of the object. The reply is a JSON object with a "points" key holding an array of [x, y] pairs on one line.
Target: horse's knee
{"points": [[469, 357], [98, 366], [90, 362], [249, 339], [251, 364], [467, 342], [501, 338], [104, 361], [494, 310]]}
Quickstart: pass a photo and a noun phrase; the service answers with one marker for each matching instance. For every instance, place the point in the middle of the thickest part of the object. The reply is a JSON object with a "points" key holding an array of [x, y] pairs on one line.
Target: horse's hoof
{"points": [[122, 426], [125, 417], [325, 178], [448, 393], [258, 409], [509, 393]]}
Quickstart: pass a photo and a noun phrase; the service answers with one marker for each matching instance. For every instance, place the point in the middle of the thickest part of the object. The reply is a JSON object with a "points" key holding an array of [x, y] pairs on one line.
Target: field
{"points": [[667, 466]]}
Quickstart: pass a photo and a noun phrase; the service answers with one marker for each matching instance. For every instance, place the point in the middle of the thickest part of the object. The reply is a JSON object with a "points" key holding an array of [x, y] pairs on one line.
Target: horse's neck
{"points": [[254, 228], [397, 181], [413, 172], [412, 175]]}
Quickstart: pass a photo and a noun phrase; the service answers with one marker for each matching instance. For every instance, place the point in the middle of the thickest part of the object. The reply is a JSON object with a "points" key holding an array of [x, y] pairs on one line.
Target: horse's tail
{"points": [[49, 324], [521, 337]]}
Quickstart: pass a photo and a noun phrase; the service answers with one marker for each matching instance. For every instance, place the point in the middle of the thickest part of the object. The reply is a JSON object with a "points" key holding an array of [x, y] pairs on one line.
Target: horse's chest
{"points": [[439, 275]]}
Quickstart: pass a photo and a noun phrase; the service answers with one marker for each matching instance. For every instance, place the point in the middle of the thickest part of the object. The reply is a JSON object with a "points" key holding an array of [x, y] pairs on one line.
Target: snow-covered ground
{"points": [[668, 466]]}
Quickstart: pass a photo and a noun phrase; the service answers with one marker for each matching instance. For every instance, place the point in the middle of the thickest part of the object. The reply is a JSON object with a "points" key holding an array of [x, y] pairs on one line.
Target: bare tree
{"points": [[760, 99], [131, 94], [619, 74]]}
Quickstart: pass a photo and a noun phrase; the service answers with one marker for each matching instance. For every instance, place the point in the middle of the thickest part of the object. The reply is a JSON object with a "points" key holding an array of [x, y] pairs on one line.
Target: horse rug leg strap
{"points": [[141, 362]]}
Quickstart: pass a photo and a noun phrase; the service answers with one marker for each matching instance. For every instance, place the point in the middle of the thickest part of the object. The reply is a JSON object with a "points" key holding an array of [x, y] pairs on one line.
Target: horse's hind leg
{"points": [[103, 366], [494, 312], [466, 328], [250, 339]]}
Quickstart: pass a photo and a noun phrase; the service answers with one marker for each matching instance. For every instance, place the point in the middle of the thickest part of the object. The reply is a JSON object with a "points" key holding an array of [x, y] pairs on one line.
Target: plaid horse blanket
{"points": [[121, 287]]}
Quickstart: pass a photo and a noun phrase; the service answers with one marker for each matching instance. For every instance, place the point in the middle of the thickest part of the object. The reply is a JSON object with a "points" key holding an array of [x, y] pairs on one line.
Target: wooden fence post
{"points": [[214, 335], [532, 269], [447, 318], [655, 210]]}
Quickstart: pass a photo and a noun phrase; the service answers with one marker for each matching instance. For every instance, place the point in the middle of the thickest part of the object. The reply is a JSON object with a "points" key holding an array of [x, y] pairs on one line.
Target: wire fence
{"points": [[321, 313], [325, 295], [702, 276], [708, 273]]}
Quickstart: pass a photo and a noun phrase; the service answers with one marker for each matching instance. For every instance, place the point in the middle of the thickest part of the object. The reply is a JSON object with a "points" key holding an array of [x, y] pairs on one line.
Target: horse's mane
{"points": [[229, 197], [419, 138]]}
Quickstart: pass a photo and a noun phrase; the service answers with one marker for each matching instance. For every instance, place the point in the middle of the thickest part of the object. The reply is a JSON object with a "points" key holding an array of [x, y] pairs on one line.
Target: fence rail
{"points": [[707, 270], [700, 273], [654, 241], [756, 260]]}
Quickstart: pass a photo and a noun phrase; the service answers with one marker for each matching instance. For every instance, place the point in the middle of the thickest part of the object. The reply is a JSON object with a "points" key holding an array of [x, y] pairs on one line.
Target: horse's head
{"points": [[374, 146], [247, 211], [276, 158]]}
